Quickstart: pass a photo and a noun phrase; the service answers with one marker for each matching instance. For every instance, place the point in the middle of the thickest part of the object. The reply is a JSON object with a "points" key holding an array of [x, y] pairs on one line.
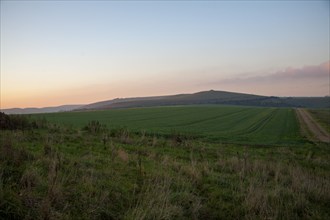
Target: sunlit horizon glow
{"points": [[79, 52]]}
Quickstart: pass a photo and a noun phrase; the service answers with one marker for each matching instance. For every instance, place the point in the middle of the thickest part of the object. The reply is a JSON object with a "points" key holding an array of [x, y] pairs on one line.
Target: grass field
{"points": [[222, 124], [322, 116], [57, 171]]}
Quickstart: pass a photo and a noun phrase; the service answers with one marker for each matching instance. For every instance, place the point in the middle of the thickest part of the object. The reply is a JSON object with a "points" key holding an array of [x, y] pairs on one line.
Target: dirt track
{"points": [[318, 132]]}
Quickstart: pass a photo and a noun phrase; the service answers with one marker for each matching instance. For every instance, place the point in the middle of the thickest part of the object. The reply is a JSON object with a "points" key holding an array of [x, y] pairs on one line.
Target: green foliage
{"points": [[12, 122], [20, 122], [94, 127], [12, 164]]}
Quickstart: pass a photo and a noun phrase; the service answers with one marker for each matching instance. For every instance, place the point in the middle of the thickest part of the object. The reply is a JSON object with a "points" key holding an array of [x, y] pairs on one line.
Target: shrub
{"points": [[94, 127], [13, 122]]}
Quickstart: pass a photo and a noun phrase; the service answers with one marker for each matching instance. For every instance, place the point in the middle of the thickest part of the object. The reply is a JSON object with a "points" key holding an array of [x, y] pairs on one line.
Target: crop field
{"points": [[322, 116], [205, 162], [59, 171], [221, 124]]}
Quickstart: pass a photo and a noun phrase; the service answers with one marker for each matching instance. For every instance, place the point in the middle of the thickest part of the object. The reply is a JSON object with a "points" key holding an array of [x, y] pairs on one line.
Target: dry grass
{"points": [[30, 179], [154, 201], [82, 177], [121, 153]]}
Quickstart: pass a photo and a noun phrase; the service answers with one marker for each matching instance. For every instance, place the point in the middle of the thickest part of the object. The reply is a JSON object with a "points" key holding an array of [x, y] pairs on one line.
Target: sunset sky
{"points": [[77, 52]]}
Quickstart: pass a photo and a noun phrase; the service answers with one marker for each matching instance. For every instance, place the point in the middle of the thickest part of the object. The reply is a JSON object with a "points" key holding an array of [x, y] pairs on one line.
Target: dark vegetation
{"points": [[18, 122], [58, 171]]}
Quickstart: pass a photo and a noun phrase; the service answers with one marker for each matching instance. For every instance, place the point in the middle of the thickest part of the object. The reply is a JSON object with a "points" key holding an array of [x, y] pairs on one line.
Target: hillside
{"points": [[199, 98], [212, 97], [40, 110]]}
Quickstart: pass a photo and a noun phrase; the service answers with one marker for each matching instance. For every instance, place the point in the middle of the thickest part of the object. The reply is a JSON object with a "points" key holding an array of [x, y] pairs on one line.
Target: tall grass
{"points": [[69, 173]]}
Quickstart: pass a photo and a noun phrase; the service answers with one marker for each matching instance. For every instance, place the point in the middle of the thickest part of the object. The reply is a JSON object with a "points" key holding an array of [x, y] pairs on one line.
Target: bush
{"points": [[94, 127], [13, 122]]}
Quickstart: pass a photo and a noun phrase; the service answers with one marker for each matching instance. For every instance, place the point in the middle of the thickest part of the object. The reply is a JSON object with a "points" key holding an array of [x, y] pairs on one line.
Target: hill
{"points": [[199, 98], [40, 110], [212, 97]]}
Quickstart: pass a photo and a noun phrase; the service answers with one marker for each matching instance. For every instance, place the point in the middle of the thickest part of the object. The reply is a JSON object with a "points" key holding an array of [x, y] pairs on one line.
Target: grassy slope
{"points": [[322, 116], [65, 173], [206, 97], [224, 124], [213, 97]]}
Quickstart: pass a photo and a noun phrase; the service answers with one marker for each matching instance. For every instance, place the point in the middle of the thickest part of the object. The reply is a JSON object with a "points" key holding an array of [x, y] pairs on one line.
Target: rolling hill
{"points": [[211, 97], [40, 110]]}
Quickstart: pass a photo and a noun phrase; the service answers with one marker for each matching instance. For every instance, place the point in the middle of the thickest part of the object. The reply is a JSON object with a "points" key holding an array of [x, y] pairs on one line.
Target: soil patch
{"points": [[308, 122]]}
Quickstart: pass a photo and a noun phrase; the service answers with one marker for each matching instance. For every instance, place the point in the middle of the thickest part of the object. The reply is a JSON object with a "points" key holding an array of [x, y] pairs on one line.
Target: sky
{"points": [[79, 52]]}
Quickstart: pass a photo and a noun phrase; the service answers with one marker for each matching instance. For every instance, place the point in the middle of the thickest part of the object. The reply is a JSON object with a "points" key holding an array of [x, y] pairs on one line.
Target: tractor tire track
{"points": [[318, 132]]}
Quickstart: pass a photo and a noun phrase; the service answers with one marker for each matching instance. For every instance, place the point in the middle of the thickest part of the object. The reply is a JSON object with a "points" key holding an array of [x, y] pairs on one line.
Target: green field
{"points": [[65, 167], [222, 124], [322, 116], [59, 171]]}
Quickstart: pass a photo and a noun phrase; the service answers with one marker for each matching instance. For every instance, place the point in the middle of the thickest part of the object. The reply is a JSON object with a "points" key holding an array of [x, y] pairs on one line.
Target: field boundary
{"points": [[311, 128]]}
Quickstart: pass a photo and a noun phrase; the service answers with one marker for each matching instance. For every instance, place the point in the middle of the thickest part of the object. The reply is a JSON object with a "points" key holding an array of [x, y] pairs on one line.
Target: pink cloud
{"points": [[317, 72], [310, 80]]}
